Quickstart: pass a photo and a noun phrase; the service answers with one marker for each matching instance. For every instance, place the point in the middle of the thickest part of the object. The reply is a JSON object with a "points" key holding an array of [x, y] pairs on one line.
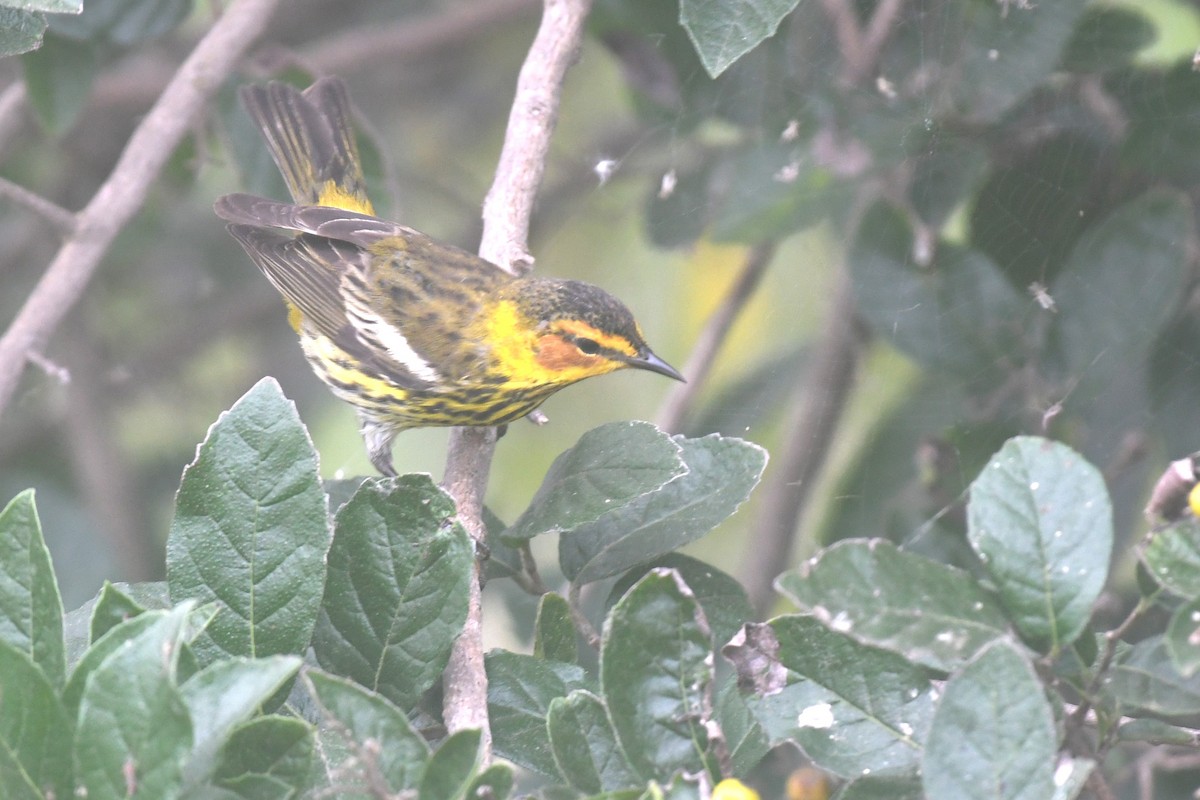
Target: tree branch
{"points": [[700, 362], [122, 195], [822, 398], [506, 213], [56, 215]]}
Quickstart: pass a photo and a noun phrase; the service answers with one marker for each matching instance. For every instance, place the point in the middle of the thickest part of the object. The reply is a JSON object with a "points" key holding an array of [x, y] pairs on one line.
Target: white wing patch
{"points": [[382, 335]]}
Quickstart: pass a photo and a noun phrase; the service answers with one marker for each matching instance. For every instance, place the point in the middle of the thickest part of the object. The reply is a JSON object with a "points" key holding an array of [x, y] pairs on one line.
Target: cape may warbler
{"points": [[409, 331]]}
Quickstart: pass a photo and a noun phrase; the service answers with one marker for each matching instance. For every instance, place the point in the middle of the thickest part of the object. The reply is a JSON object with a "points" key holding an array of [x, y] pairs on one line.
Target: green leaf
{"points": [[494, 783], [35, 762], [850, 707], [872, 788], [1163, 138], [870, 590], [31, 611], [554, 636], [1040, 519], [993, 733], [745, 738], [48, 6], [1183, 638], [396, 597], [58, 81], [721, 473], [1005, 50], [520, 691], [122, 22], [451, 768], [1109, 314], [250, 531], [1173, 557], [224, 695], [112, 640], [773, 190], [607, 469], [958, 314], [133, 728], [723, 600], [1107, 38], [363, 716], [1148, 679], [724, 31], [20, 31], [279, 748], [585, 746], [656, 672], [112, 608], [944, 174]]}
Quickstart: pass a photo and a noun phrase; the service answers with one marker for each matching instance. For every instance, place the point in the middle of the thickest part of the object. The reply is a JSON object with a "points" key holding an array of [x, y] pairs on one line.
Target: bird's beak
{"points": [[649, 361]]}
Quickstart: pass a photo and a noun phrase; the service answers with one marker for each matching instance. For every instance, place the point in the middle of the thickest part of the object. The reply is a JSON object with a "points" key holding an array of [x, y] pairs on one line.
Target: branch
{"points": [[56, 215], [506, 213], [822, 399], [700, 362], [122, 195]]}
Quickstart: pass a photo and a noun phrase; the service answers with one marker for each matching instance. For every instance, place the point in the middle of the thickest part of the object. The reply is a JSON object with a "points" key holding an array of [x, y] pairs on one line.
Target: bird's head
{"points": [[563, 331]]}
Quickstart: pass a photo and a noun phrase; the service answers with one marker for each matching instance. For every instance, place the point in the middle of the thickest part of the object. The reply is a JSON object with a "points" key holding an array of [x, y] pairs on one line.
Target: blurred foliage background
{"points": [[954, 220]]}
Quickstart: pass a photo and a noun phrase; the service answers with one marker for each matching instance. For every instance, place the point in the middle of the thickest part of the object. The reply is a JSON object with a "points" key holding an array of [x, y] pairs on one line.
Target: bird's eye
{"points": [[587, 346]]}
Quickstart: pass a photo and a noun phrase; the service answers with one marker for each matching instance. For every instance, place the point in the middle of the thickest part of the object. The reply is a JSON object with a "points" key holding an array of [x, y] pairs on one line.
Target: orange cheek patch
{"points": [[555, 353]]}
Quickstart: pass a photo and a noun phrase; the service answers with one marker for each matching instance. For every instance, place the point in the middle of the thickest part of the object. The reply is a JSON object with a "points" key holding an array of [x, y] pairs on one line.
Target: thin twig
{"points": [[12, 112], [822, 398], [716, 329], [506, 213], [56, 215], [582, 623], [122, 195]]}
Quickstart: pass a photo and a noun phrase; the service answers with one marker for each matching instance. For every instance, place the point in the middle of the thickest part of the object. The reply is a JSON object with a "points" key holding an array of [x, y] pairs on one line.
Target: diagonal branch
{"points": [[506, 213], [122, 195]]}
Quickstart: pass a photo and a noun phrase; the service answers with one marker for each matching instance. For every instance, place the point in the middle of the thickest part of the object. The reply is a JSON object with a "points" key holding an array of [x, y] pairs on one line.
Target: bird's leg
{"points": [[378, 439]]}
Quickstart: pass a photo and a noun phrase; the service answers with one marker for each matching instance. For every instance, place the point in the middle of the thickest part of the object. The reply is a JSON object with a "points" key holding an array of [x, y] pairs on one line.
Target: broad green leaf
{"points": [[122, 22], [744, 737], [1040, 519], [250, 531], [1005, 50], [1109, 314], [722, 598], [1183, 638], [993, 733], [944, 173], [133, 727], [872, 788], [1155, 731], [31, 612], [721, 473], [1107, 38], [724, 31], [111, 609], [585, 746], [48, 6], [1148, 679], [396, 596], [58, 80], [774, 190], [1163, 138], [604, 471], [1173, 557], [363, 716], [20, 31], [872, 591], [656, 673], [850, 707], [958, 314], [520, 691], [114, 639], [35, 761], [494, 783], [224, 695], [554, 637], [451, 768], [279, 748]]}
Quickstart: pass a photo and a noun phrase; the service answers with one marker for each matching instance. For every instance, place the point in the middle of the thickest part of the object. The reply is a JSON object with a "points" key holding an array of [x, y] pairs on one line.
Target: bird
{"points": [[410, 331]]}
